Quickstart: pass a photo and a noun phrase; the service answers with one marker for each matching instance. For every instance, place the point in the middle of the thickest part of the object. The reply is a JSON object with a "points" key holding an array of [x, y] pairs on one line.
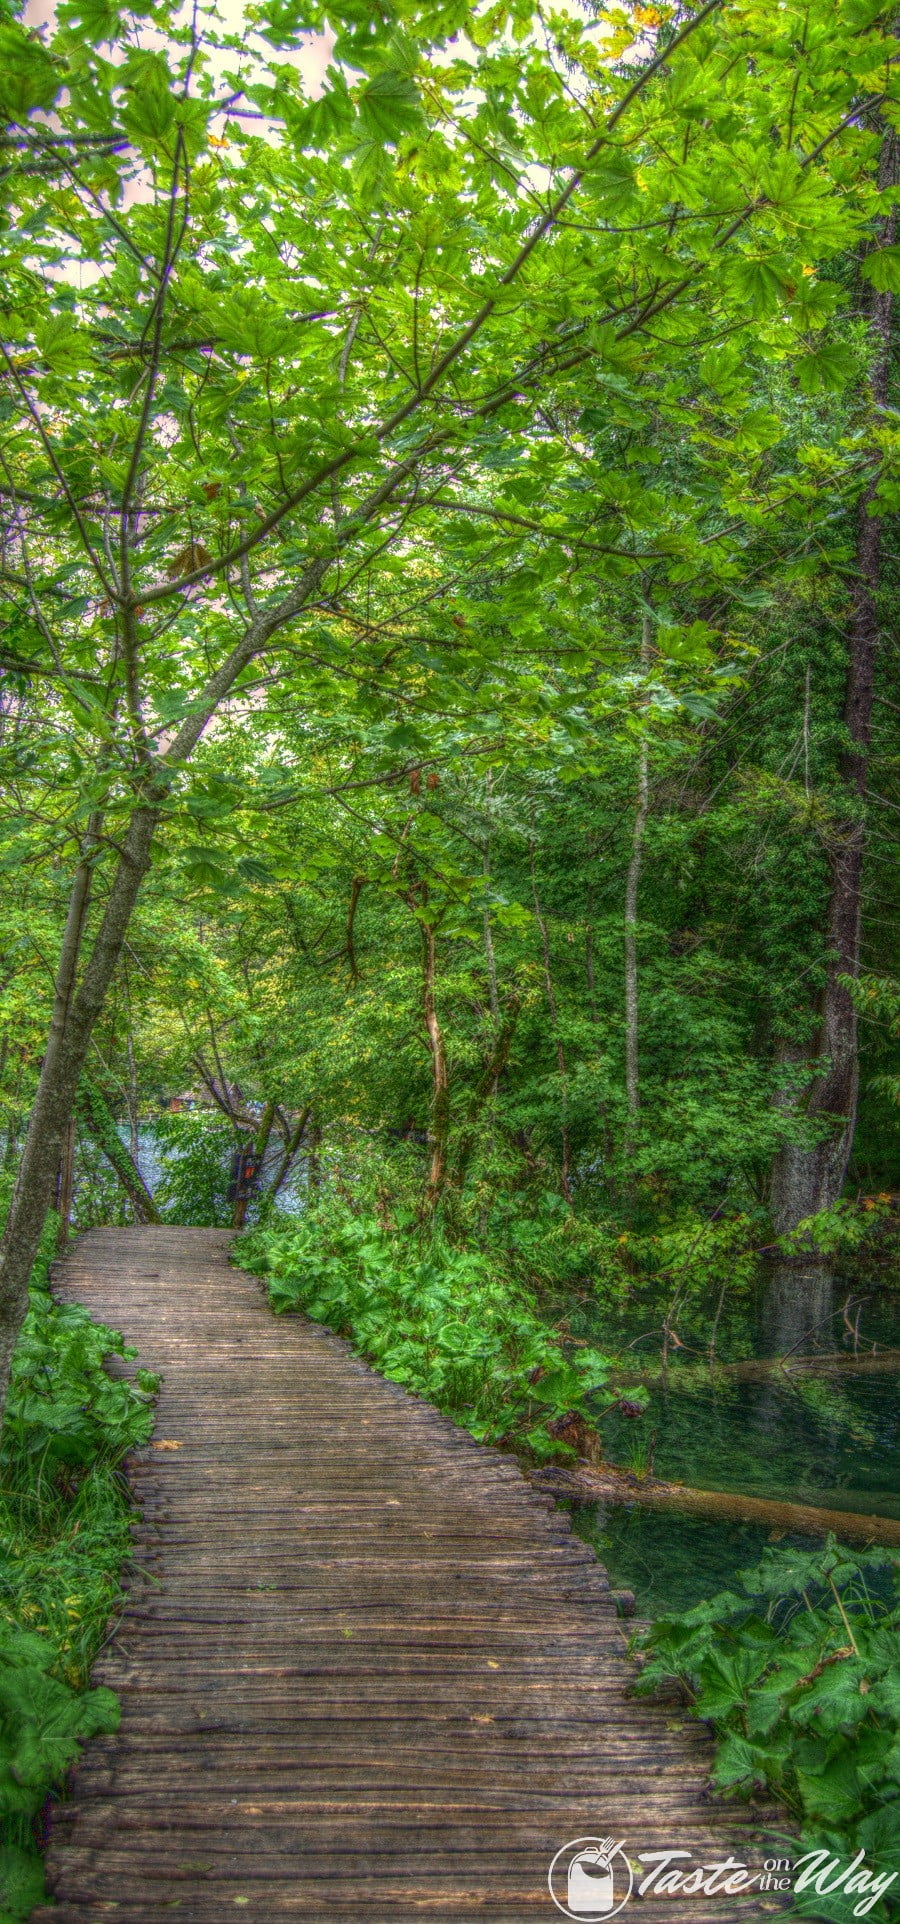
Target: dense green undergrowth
{"points": [[446, 1322], [64, 1536], [798, 1672]]}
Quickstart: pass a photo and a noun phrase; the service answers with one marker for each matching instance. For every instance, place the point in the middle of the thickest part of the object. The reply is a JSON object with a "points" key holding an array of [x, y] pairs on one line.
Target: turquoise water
{"points": [[832, 1440]]}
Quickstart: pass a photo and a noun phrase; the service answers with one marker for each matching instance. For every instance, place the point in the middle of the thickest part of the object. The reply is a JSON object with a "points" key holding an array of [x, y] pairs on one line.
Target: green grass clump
{"points": [[64, 1536]]}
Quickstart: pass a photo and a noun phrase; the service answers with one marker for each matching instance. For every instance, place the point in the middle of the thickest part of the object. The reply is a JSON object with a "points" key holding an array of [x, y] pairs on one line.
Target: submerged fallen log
{"points": [[582, 1484], [759, 1369]]}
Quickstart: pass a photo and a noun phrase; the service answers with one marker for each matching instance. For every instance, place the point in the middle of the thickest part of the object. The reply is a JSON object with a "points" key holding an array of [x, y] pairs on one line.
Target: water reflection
{"points": [[829, 1437], [798, 1309]]}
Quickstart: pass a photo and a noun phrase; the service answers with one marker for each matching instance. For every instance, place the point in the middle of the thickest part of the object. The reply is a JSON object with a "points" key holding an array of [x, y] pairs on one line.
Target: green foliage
{"points": [[42, 1721], [842, 1232], [445, 1322], [195, 1151], [64, 1524], [798, 1671], [63, 1408]]}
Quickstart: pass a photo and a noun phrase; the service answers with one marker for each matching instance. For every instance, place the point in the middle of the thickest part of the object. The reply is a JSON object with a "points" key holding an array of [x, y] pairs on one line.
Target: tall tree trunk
{"points": [[260, 1145], [804, 1181], [440, 1080], [290, 1150], [632, 886], [565, 1172], [75, 1012], [313, 1159], [65, 1185]]}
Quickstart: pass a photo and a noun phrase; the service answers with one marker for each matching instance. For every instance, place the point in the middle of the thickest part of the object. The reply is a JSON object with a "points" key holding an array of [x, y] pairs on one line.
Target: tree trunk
{"points": [[290, 1150], [66, 1186], [611, 1485], [313, 1159], [260, 1145], [632, 886], [75, 1012], [440, 1081], [561, 1063], [804, 1181]]}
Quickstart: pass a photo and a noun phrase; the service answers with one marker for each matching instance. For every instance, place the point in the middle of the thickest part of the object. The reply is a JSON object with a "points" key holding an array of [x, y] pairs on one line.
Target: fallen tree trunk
{"points": [[758, 1369], [610, 1485]]}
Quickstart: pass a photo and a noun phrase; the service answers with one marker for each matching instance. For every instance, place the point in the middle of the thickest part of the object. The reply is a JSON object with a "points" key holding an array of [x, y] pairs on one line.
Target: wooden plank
{"points": [[367, 1673]]}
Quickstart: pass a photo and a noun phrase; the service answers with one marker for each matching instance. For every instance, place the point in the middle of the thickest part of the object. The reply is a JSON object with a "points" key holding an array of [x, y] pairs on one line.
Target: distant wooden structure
{"points": [[367, 1673]]}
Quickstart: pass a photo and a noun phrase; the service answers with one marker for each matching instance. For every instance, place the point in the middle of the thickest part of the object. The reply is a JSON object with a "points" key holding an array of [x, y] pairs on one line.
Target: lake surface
{"points": [[830, 1439], [151, 1164]]}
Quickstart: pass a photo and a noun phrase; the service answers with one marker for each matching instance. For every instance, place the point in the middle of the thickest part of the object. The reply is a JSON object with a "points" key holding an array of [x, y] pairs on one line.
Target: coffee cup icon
{"points": [[591, 1887]]}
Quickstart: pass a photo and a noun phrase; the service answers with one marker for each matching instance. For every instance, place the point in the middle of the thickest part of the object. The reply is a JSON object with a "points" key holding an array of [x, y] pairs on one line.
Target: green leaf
{"points": [[388, 106], [757, 282], [29, 77], [882, 268], [610, 180], [825, 371], [21, 1880], [150, 113]]}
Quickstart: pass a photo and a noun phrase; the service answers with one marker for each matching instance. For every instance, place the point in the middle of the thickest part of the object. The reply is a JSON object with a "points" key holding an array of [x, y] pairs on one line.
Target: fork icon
{"points": [[591, 1881]]}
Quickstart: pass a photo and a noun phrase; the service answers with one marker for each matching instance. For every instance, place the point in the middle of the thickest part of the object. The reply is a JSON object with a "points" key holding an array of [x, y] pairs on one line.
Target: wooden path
{"points": [[368, 1673]]}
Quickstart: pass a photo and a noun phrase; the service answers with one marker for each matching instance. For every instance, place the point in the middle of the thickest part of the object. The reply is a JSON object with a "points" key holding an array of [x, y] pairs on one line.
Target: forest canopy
{"points": [[448, 661]]}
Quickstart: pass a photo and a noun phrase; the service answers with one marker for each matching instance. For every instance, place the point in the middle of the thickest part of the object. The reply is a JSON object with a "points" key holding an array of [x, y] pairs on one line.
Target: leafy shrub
{"points": [[63, 1408], [64, 1517], [799, 1674], [42, 1720], [841, 1232], [443, 1321], [98, 1194], [195, 1151]]}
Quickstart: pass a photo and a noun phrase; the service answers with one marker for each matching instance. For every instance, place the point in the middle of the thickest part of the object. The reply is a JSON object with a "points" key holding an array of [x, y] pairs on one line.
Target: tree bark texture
{"points": [[75, 1011], [565, 1173], [440, 1080], [260, 1145], [632, 887], [290, 1150]]}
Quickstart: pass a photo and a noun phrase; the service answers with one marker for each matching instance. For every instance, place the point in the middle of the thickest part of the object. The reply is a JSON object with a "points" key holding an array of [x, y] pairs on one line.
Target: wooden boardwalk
{"points": [[368, 1674]]}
